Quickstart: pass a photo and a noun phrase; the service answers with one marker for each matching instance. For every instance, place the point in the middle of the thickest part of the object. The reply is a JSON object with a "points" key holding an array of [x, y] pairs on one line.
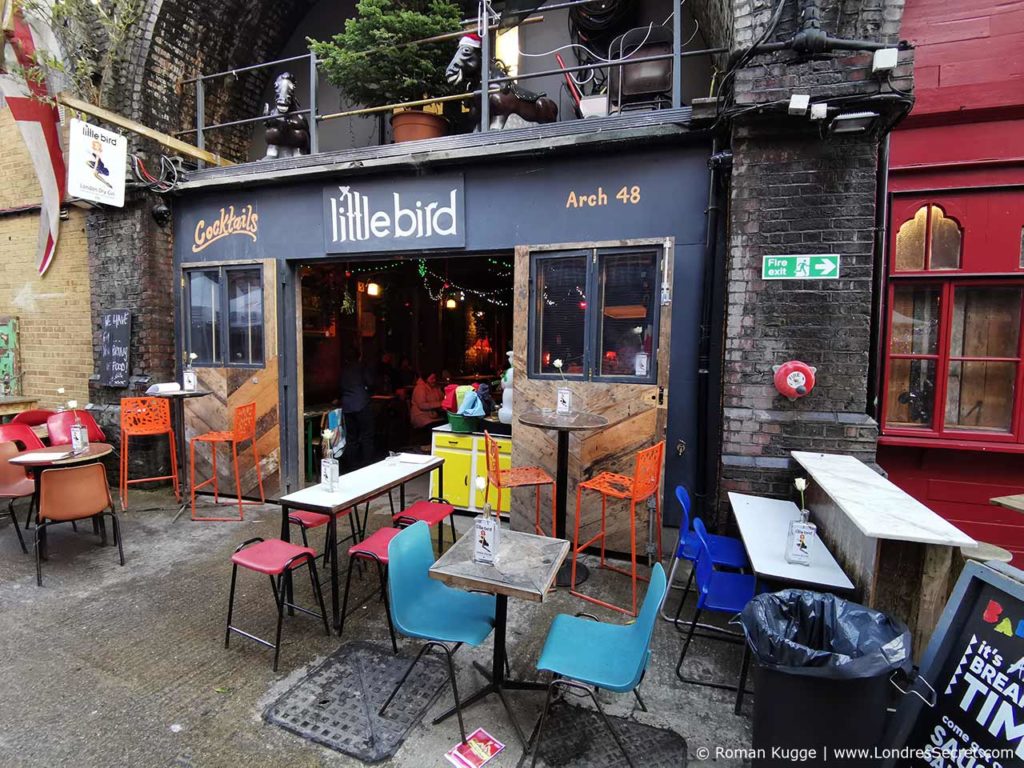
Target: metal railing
{"points": [[488, 83]]}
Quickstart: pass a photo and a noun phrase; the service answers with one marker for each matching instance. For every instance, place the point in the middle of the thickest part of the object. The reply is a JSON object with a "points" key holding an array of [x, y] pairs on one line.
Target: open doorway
{"points": [[386, 324]]}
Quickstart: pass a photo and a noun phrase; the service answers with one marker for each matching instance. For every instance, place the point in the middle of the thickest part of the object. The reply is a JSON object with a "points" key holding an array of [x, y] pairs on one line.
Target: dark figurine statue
{"points": [[464, 69], [287, 134]]}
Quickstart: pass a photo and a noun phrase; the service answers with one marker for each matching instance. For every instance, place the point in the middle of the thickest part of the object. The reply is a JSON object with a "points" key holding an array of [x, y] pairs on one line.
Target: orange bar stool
{"points": [[517, 477], [645, 483], [243, 428], [374, 547], [277, 559], [146, 417]]}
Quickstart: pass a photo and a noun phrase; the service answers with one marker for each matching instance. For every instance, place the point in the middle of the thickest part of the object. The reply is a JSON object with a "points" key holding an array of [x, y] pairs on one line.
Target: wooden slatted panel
{"points": [[231, 387], [636, 421]]}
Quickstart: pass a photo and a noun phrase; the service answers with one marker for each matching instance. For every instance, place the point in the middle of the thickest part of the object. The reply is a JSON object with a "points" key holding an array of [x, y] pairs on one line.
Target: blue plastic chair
{"points": [[588, 654], [725, 551], [722, 592], [425, 608]]}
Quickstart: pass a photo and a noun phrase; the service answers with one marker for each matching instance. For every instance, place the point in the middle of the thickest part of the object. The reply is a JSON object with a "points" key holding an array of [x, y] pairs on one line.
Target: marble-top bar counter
{"points": [[897, 552], [878, 508]]}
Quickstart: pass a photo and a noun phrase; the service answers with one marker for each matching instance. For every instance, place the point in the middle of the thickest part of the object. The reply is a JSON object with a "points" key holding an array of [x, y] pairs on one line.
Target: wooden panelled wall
{"points": [[636, 420], [231, 387]]}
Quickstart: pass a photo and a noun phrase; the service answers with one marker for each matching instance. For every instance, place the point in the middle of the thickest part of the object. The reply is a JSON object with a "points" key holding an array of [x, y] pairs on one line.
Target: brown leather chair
{"points": [[14, 484], [67, 494]]}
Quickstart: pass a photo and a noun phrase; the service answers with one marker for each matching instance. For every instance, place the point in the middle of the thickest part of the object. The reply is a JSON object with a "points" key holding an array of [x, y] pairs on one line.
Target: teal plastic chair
{"points": [[425, 608], [588, 654]]}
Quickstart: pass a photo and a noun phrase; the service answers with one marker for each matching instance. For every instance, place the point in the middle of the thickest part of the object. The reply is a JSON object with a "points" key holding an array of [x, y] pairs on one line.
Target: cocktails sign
{"points": [[363, 216]]}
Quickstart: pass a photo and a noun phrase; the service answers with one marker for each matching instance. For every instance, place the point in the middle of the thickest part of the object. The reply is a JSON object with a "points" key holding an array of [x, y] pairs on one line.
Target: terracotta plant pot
{"points": [[413, 125]]}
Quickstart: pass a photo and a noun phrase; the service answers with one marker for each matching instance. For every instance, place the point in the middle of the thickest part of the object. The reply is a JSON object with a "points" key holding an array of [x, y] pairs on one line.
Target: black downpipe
{"points": [[704, 347], [877, 297]]}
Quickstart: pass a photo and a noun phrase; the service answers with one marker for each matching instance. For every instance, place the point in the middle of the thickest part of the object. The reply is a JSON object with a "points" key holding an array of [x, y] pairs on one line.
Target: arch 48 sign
{"points": [[812, 266]]}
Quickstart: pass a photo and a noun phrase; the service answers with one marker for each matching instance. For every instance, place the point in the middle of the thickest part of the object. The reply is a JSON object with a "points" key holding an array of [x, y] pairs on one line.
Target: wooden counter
{"points": [[897, 551]]}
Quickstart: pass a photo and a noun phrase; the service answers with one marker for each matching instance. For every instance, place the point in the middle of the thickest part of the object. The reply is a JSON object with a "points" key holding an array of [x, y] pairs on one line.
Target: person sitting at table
{"points": [[425, 410]]}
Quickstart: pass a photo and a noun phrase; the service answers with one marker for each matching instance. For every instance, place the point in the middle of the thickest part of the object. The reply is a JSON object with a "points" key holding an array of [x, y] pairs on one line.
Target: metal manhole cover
{"points": [[336, 704]]}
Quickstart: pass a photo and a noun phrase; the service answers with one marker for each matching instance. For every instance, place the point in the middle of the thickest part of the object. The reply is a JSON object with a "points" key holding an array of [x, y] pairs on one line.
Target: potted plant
{"points": [[373, 64]]}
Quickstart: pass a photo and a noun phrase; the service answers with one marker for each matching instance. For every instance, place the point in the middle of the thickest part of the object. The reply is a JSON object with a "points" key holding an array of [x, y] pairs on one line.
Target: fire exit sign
{"points": [[817, 266]]}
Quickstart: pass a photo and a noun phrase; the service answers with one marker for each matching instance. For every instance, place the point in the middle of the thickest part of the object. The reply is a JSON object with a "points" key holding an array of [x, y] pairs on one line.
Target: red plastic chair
{"points": [[146, 417], [14, 484], [243, 428], [645, 483], [59, 427], [32, 418], [20, 433]]}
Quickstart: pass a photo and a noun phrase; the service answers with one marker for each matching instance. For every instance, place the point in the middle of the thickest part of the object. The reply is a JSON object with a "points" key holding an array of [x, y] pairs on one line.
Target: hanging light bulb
{"points": [[373, 289], [451, 303]]}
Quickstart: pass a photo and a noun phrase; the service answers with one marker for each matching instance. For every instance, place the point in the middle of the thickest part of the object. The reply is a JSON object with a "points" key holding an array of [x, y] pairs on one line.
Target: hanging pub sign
{"points": [[975, 665], [97, 161], [367, 215]]}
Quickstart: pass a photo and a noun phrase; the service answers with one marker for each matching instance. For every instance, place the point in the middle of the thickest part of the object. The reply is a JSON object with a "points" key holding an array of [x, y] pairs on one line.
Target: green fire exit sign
{"points": [[818, 266]]}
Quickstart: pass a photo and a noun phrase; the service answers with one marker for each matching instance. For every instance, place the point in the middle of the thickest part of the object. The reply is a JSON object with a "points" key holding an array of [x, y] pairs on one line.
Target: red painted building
{"points": [[951, 404]]}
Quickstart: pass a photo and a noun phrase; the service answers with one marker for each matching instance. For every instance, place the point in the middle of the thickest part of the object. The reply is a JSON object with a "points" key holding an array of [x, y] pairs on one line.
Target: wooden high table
{"points": [[525, 568], [563, 423], [1016, 502], [177, 400]]}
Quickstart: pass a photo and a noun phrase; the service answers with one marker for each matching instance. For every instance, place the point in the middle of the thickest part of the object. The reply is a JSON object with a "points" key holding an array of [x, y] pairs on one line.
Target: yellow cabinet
{"points": [[465, 459]]}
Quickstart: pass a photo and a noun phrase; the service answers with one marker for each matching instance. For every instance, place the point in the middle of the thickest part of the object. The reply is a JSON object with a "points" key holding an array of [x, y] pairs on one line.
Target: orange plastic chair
{"points": [[243, 428], [74, 493], [645, 482], [14, 484], [146, 417], [517, 477]]}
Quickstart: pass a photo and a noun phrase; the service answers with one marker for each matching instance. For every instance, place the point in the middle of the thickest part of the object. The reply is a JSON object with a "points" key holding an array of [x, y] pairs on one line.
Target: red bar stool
{"points": [[243, 428], [516, 477], [307, 520], [375, 548], [431, 512], [645, 483], [277, 559], [146, 417]]}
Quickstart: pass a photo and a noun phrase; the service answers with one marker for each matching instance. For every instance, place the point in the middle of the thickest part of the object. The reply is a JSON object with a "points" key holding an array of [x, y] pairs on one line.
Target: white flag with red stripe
{"points": [[38, 119]]}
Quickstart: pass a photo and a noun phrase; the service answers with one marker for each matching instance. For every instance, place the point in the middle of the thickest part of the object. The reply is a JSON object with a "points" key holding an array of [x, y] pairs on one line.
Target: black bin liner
{"points": [[822, 673]]}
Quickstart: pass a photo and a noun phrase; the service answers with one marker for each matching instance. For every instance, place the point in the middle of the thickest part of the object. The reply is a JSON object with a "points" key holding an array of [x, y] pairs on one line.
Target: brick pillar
{"points": [[795, 195]]}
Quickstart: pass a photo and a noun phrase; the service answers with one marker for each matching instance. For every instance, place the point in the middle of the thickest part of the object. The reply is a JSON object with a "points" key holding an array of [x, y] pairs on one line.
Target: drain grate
{"points": [[336, 704], [574, 736]]}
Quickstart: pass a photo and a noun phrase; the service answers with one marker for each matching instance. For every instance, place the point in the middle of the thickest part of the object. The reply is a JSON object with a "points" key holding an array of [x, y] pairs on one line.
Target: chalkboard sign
{"points": [[115, 341], [975, 663]]}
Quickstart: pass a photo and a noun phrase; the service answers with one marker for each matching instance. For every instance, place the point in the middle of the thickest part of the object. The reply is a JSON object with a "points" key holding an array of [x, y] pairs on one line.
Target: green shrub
{"points": [[368, 62]]}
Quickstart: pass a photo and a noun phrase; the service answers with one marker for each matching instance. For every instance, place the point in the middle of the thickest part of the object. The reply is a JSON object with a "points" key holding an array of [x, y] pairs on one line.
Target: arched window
{"points": [[929, 241]]}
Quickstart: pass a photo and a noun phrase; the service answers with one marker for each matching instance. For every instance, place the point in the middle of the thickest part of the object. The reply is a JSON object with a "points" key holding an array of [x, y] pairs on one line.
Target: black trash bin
{"points": [[821, 676]]}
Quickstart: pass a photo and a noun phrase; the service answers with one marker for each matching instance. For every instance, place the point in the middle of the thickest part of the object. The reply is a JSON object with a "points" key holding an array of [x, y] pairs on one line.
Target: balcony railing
{"points": [[488, 83]]}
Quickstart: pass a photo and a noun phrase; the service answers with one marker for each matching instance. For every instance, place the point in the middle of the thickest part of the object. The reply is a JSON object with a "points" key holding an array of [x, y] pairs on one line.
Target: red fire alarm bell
{"points": [[794, 379]]}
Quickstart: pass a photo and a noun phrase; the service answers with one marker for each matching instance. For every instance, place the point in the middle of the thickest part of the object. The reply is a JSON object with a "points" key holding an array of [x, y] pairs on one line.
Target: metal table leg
{"points": [[564, 577]]}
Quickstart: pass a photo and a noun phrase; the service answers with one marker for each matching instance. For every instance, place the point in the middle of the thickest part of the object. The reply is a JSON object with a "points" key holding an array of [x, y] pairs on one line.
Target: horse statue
{"points": [[287, 134], [465, 68]]}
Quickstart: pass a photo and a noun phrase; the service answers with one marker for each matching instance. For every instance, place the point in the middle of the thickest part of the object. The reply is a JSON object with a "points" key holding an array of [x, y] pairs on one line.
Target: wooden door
{"points": [[636, 412], [231, 387]]}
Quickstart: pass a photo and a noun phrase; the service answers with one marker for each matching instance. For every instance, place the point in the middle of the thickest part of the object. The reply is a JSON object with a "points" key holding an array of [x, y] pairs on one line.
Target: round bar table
{"points": [[178, 422], [563, 423], [39, 459]]}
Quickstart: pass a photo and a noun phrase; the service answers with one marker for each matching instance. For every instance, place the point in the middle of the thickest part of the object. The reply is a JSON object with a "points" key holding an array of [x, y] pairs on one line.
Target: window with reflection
{"points": [[224, 316], [930, 240], [559, 314], [594, 315], [913, 352]]}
